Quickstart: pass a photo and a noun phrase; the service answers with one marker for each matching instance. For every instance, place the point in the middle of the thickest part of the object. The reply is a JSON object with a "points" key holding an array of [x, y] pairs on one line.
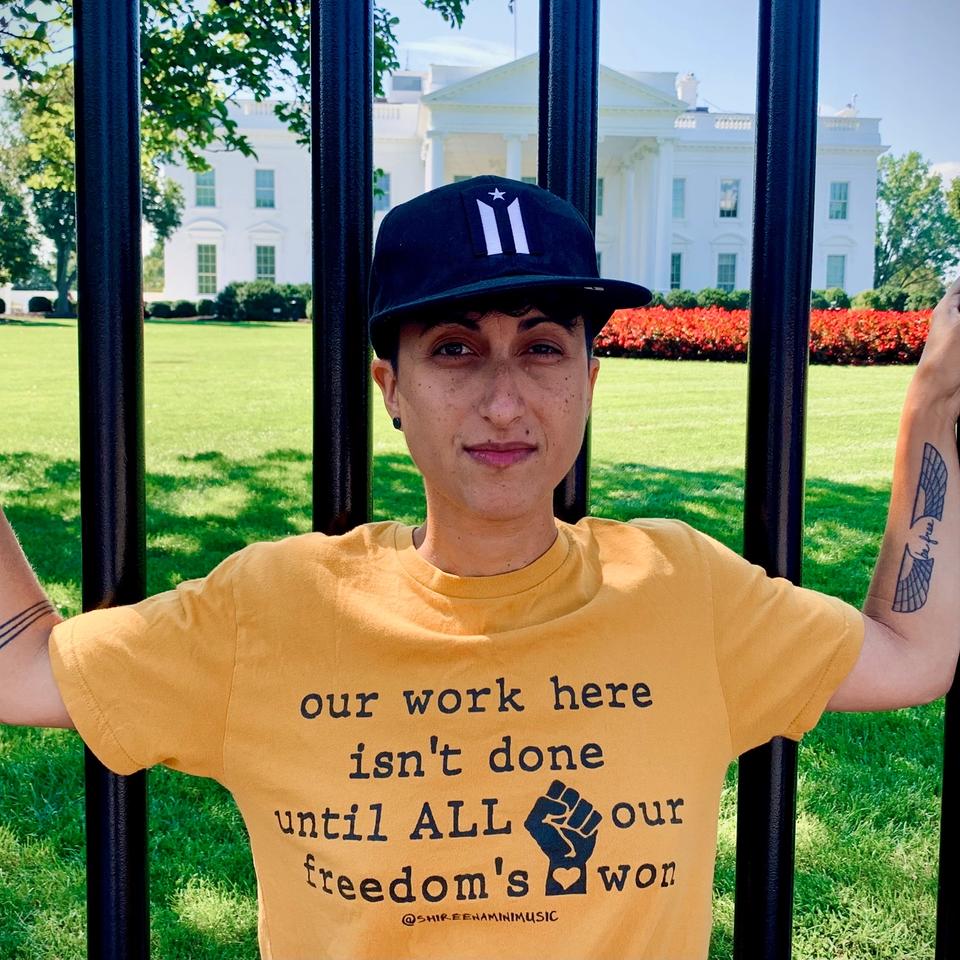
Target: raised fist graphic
{"points": [[565, 828]]}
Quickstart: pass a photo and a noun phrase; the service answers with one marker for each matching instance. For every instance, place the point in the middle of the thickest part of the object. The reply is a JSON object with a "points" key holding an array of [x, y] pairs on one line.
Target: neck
{"points": [[477, 547]]}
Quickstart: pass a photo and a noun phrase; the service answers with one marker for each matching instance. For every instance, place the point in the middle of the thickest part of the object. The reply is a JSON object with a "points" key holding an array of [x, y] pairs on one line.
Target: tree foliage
{"points": [[197, 57], [917, 239]]}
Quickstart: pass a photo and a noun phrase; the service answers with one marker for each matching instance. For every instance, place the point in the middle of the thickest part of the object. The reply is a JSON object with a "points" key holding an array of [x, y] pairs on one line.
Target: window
{"points": [[676, 267], [407, 83], [263, 189], [460, 177], [599, 196], [532, 180], [206, 187], [729, 197], [266, 261], [838, 199], [726, 271], [836, 269], [599, 261], [679, 198], [206, 268], [381, 201]]}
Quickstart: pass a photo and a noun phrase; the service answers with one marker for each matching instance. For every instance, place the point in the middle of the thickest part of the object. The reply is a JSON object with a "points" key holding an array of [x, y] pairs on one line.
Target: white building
{"points": [[674, 191]]}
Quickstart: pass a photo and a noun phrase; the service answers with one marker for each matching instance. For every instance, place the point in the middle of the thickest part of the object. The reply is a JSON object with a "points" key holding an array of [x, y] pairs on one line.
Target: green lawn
{"points": [[228, 440]]}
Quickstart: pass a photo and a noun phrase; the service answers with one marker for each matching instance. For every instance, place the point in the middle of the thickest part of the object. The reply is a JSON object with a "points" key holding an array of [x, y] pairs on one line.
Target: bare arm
{"points": [[912, 609], [28, 691]]}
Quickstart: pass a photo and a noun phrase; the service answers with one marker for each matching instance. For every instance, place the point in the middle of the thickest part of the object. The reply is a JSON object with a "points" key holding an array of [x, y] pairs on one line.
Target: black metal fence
{"points": [[111, 380]]}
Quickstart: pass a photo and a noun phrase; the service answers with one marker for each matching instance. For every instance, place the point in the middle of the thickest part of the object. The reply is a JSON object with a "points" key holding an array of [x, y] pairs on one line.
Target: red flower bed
{"points": [[711, 333]]}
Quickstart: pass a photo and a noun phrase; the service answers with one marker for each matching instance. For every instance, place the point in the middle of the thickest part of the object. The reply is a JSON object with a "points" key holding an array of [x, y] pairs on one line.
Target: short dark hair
{"points": [[516, 306]]}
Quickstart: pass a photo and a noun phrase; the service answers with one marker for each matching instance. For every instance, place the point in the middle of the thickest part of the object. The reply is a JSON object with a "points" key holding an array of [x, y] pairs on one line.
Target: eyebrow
{"points": [[525, 325]]}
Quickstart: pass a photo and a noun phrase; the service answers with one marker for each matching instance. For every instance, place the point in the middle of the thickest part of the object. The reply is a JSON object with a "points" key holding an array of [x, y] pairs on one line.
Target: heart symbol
{"points": [[566, 877]]}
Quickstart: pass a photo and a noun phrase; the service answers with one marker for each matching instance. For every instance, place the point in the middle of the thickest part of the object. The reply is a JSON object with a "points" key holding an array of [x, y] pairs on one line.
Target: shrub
{"points": [[925, 299], [309, 309], [206, 308], [658, 300], [183, 309], [884, 298], [681, 298], [837, 299], [160, 309], [261, 300], [713, 297], [39, 305], [818, 300], [3, 306], [738, 300], [227, 303], [867, 300], [296, 299]]}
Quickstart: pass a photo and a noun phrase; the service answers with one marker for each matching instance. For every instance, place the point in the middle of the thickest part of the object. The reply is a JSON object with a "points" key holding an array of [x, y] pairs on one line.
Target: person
{"points": [[496, 733]]}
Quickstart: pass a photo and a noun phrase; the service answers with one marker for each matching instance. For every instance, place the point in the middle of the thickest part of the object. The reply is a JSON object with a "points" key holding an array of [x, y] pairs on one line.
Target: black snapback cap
{"points": [[477, 239]]}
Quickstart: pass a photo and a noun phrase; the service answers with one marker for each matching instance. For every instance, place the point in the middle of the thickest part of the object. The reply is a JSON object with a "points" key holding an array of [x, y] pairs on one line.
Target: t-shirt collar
{"points": [[497, 585]]}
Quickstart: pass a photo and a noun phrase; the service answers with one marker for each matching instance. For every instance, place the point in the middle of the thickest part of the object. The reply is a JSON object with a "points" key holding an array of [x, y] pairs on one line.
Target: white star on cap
{"points": [[497, 193]]}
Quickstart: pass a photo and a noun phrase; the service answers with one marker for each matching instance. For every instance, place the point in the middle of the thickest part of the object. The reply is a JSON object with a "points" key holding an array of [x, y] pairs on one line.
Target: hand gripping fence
{"points": [[110, 333]]}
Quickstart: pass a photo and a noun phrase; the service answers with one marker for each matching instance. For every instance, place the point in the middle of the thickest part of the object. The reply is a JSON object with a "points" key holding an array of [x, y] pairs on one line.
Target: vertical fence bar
{"points": [[773, 509], [341, 102], [948, 933], [567, 157], [112, 500]]}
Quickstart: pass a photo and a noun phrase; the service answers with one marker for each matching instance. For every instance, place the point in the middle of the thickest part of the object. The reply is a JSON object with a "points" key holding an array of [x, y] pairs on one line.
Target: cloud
{"points": [[948, 170], [470, 52]]}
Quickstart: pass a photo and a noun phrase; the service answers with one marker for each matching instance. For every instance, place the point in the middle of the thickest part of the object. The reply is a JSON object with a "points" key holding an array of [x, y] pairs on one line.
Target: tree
{"points": [[953, 198], [917, 238], [43, 161], [196, 57], [17, 238], [18, 241]]}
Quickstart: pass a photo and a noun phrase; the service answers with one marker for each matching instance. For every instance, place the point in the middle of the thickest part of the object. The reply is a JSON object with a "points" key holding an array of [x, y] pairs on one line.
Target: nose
{"points": [[502, 402]]}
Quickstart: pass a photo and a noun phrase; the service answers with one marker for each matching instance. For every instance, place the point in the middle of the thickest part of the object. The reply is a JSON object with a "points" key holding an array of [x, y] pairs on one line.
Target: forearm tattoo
{"points": [[12, 628], [916, 568]]}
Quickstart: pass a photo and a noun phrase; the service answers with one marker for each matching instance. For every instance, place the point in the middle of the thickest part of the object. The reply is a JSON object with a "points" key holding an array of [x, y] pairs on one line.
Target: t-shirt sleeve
{"points": [[782, 650], [150, 682]]}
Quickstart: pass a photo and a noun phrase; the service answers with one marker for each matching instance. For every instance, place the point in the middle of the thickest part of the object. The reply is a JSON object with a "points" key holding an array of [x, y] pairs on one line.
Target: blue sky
{"points": [[900, 57]]}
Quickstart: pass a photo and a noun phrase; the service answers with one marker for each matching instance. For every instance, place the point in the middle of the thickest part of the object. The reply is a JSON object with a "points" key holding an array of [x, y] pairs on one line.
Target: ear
{"points": [[592, 374], [386, 380]]}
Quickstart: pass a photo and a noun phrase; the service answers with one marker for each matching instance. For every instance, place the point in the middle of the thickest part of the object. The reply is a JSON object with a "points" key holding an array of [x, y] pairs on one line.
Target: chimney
{"points": [[687, 90]]}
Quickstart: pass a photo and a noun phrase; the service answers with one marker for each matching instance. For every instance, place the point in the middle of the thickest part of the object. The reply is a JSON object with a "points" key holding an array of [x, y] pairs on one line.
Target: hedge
{"points": [[836, 336], [263, 300]]}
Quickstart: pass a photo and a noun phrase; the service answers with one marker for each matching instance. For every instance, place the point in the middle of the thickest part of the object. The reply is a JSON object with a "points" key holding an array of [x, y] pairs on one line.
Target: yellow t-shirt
{"points": [[432, 766]]}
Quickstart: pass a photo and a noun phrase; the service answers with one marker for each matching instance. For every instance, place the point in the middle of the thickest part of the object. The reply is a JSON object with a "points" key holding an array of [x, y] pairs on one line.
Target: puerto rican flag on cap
{"points": [[501, 221]]}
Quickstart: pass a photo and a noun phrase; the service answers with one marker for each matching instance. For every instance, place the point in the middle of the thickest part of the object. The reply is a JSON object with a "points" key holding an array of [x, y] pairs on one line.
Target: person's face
{"points": [[486, 380]]}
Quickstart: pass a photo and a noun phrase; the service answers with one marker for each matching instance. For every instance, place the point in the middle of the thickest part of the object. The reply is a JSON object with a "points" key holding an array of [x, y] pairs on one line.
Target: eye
{"points": [[439, 351], [549, 346]]}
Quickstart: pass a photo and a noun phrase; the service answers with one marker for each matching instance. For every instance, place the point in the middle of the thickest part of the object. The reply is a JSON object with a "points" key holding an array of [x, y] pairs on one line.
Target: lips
{"points": [[501, 454]]}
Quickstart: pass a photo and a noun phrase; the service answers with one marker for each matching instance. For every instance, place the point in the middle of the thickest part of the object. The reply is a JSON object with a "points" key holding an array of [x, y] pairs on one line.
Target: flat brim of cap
{"points": [[598, 297]]}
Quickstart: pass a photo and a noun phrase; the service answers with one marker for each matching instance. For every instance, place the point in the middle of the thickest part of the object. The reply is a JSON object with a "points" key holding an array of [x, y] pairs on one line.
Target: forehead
{"points": [[477, 319]]}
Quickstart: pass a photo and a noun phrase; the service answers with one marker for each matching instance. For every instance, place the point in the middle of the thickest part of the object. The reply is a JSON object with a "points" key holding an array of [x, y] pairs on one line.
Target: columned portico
{"points": [[433, 169], [514, 165], [663, 231], [628, 265]]}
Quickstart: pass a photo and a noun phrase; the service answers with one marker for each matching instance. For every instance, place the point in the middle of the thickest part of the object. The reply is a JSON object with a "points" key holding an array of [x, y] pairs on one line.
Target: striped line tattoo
{"points": [[12, 628]]}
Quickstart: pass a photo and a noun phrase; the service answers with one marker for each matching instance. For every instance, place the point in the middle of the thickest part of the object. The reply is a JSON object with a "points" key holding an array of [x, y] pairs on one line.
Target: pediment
{"points": [[265, 228], [518, 84], [205, 225]]}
